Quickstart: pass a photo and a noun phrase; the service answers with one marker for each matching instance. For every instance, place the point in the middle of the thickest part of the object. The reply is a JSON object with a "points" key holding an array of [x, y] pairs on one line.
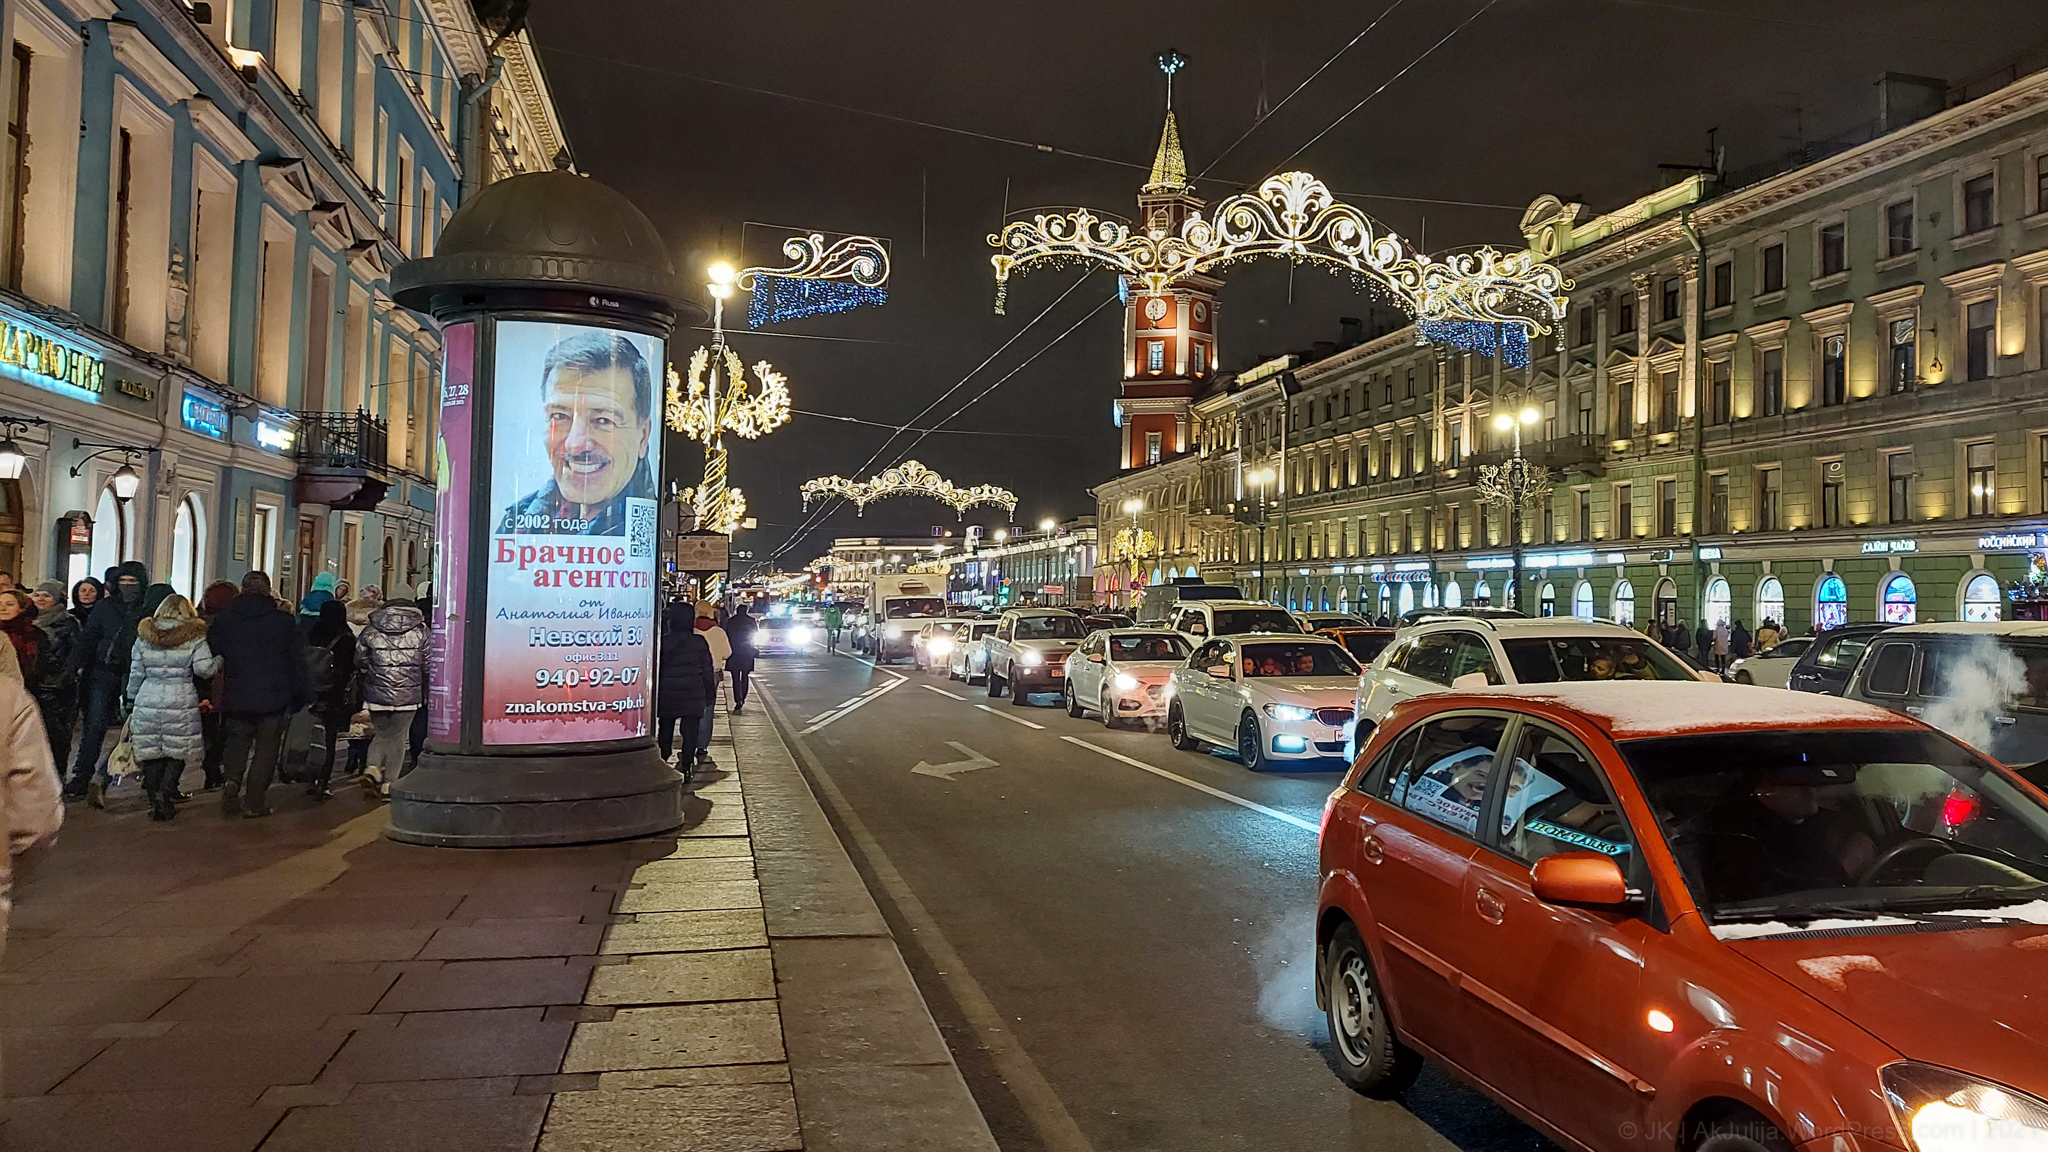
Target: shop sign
{"points": [[47, 363], [1052, 589], [1409, 576], [1710, 553], [1562, 560], [275, 437], [2012, 541], [1615, 558], [1889, 547], [204, 416], [1490, 564]]}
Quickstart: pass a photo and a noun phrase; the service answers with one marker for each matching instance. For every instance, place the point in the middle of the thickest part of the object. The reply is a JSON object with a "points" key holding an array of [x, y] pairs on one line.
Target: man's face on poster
{"points": [[595, 435]]}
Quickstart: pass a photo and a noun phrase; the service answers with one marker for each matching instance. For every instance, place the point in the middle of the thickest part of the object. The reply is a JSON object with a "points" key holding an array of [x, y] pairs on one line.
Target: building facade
{"points": [[1814, 395], [207, 200], [1054, 569]]}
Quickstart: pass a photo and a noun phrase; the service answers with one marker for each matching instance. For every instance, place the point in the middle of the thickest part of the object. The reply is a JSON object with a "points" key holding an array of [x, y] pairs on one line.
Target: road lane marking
{"points": [[1034, 1095], [941, 691], [1012, 719], [948, 771], [871, 664], [1197, 785], [841, 711]]}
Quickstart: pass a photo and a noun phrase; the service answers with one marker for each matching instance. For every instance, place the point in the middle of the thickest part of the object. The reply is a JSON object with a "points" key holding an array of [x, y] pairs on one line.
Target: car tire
{"points": [[1251, 744], [1074, 708], [994, 682], [1742, 676], [1177, 729], [1109, 717], [1739, 1131], [1369, 1058], [1020, 695]]}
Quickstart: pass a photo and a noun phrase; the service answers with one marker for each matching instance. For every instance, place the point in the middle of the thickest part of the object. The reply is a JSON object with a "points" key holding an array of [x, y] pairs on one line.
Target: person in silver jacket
{"points": [[391, 653], [163, 699]]}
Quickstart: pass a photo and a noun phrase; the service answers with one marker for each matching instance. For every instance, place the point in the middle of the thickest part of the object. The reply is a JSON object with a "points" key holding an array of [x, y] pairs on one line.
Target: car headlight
{"points": [[893, 630], [1030, 658], [1125, 682], [1944, 1111], [1290, 713], [939, 646], [799, 635]]}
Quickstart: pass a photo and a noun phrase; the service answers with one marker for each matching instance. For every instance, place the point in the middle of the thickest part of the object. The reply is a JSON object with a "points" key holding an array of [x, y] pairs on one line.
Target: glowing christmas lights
{"points": [[909, 478], [824, 278], [1483, 337]]}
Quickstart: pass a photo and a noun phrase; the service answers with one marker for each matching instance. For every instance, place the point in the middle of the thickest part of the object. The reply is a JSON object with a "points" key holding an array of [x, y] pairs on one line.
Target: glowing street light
{"points": [[1047, 525]]}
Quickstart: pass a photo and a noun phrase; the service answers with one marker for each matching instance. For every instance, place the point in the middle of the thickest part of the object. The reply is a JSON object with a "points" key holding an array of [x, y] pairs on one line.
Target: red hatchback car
{"points": [[1694, 917]]}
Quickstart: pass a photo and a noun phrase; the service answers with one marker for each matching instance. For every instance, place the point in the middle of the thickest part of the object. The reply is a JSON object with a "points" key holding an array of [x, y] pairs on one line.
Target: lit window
{"points": [[1155, 356]]}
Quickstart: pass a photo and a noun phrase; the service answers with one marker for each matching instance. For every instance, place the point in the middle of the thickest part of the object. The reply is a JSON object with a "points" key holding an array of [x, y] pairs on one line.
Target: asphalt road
{"points": [[1121, 959]]}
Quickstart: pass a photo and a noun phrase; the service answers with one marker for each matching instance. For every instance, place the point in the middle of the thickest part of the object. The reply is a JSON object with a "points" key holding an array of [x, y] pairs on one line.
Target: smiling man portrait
{"points": [[597, 397]]}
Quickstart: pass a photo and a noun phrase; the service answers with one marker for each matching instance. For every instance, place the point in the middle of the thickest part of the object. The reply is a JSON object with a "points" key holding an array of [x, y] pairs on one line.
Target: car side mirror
{"points": [[1709, 677], [1470, 682], [1095, 658], [1581, 880], [1219, 671]]}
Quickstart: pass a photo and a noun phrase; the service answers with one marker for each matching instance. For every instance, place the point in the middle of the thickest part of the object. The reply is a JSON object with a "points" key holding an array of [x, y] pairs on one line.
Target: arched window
{"points": [[188, 548], [1343, 598], [1546, 599], [1898, 603], [1770, 601], [1665, 601], [1982, 599], [1386, 599], [112, 539], [1582, 600], [1624, 606], [1481, 594], [1406, 601], [1326, 597], [1453, 598], [1830, 603], [1429, 595], [1720, 610]]}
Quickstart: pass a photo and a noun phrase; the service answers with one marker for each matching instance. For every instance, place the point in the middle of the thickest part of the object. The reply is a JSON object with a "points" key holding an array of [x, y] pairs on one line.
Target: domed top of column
{"points": [[547, 230]]}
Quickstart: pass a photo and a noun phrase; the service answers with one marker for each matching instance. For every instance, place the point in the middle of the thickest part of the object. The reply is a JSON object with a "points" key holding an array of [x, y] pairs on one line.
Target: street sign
{"points": [[1052, 589], [954, 768], [703, 552]]}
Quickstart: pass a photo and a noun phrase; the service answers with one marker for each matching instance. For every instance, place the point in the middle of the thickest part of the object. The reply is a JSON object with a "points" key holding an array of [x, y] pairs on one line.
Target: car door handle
{"points": [[2005, 721], [1374, 851], [1490, 907]]}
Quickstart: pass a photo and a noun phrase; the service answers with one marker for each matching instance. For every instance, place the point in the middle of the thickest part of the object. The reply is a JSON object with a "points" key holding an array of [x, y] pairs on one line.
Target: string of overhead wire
{"points": [[947, 431], [1271, 112]]}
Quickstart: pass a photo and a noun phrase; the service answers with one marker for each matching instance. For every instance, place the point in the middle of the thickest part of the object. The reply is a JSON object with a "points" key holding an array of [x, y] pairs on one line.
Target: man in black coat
{"points": [[99, 658], [686, 686], [265, 681], [740, 628]]}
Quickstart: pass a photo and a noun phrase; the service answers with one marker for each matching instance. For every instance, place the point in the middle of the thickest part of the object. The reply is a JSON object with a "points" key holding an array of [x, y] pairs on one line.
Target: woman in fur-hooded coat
{"points": [[170, 649]]}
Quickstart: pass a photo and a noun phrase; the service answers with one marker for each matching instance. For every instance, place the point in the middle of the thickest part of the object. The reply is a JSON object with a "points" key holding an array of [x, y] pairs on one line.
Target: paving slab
{"points": [[455, 1045], [444, 1125], [688, 932], [487, 984], [719, 1118], [678, 1036], [693, 871], [684, 977], [691, 896]]}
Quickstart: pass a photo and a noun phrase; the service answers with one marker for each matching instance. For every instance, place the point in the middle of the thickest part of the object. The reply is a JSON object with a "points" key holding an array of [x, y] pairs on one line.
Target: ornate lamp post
{"points": [[718, 402], [1262, 478], [1512, 485]]}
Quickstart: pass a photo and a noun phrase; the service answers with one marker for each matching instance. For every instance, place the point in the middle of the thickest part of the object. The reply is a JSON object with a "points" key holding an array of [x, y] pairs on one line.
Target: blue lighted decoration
{"points": [[1484, 337], [779, 298]]}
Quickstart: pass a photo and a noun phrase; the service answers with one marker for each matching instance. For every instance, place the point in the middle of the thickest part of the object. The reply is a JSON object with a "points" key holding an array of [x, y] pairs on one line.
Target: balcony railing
{"points": [[342, 440], [1581, 452]]}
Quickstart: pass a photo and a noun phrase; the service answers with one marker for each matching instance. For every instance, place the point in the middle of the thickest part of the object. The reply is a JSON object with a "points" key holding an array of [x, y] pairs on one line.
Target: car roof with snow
{"points": [[1634, 709], [1540, 627], [2031, 628]]}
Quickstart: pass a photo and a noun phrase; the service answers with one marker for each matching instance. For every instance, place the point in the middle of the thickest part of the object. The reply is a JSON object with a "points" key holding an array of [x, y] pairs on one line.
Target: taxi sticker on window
{"points": [[1577, 838]]}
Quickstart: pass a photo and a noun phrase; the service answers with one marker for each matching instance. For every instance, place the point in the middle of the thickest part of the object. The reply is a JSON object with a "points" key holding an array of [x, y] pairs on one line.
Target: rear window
{"points": [[1556, 658], [1050, 628], [977, 631], [1891, 670], [2017, 674], [1236, 621], [1842, 653]]}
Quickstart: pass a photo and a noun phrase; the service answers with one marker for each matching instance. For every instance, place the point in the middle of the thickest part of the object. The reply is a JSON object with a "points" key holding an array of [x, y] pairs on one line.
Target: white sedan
{"points": [[1772, 667], [969, 660], [1124, 673], [1273, 698]]}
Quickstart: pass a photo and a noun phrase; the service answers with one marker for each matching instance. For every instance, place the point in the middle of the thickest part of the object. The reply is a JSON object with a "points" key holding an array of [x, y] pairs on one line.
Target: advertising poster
{"points": [[569, 643], [451, 539]]}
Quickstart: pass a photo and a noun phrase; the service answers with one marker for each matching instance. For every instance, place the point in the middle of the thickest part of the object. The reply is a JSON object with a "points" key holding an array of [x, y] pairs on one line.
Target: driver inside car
{"points": [[1772, 836]]}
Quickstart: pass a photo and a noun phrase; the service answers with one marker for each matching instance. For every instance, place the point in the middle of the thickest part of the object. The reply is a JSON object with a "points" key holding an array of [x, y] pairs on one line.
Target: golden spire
{"points": [[1170, 166]]}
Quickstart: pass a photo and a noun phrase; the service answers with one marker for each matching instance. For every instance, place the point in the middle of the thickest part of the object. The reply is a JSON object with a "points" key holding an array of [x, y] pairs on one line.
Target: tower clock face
{"points": [[1201, 312], [1155, 309]]}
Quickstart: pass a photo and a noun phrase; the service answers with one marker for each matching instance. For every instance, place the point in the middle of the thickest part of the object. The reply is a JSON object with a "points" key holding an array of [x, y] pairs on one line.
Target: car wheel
{"points": [[1742, 676], [1019, 694], [1177, 729], [1251, 745], [1370, 1059], [1109, 719], [995, 684], [1074, 708], [1739, 1131]]}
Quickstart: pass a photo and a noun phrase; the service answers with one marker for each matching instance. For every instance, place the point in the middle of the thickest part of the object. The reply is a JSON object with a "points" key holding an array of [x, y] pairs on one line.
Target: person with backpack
{"points": [[331, 665], [311, 603], [263, 683], [391, 655], [740, 628], [100, 660], [685, 688], [171, 655]]}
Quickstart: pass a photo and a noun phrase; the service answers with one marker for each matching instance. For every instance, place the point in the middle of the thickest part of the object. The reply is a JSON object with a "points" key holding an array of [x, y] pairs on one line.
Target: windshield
{"points": [[1556, 658], [1297, 660], [921, 606], [945, 627], [1147, 648], [980, 629], [1050, 628], [1235, 621], [1805, 825], [1367, 646]]}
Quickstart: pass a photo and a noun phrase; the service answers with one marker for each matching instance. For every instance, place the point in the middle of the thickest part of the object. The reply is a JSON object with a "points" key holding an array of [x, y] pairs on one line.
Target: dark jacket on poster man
{"points": [[263, 658], [740, 628], [689, 682], [108, 638]]}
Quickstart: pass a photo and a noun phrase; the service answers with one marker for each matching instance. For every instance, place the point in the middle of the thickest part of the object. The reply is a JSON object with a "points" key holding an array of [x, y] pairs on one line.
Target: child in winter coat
{"points": [[163, 722]]}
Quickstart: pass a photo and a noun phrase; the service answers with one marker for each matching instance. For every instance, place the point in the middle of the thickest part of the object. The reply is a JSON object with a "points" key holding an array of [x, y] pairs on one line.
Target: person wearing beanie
{"points": [[100, 658], [56, 694], [310, 604]]}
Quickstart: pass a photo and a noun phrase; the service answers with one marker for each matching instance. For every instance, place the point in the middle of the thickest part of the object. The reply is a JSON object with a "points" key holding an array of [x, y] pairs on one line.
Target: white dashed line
{"points": [[1012, 719], [840, 712], [941, 691], [1220, 794]]}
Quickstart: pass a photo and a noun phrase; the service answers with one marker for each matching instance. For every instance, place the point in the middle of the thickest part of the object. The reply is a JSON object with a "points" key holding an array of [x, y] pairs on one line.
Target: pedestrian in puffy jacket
{"points": [[57, 694], [100, 659], [264, 681], [391, 654], [685, 688], [171, 655]]}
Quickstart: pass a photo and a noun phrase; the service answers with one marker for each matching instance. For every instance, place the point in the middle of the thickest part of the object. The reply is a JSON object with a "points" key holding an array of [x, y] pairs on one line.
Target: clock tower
{"points": [[1169, 336]]}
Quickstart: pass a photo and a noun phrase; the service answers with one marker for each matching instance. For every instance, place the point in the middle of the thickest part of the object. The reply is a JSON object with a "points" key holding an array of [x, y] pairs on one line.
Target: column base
{"points": [[456, 801]]}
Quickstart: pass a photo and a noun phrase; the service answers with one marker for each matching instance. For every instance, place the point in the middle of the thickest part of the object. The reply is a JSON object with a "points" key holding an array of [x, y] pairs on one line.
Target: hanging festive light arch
{"points": [[909, 478]]}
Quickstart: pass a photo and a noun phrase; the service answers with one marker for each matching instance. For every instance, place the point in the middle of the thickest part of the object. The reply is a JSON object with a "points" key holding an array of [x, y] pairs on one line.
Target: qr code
{"points": [[640, 526]]}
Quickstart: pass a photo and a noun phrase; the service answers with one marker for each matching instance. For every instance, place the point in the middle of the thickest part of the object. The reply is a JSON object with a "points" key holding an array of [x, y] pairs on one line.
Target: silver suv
{"points": [[1201, 620], [1984, 684]]}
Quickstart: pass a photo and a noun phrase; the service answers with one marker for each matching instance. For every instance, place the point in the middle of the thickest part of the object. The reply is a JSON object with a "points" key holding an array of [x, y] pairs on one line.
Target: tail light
{"points": [[1959, 809]]}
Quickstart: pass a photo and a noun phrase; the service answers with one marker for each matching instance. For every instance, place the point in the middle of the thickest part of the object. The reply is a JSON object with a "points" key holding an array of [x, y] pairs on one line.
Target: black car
{"points": [[1828, 663]]}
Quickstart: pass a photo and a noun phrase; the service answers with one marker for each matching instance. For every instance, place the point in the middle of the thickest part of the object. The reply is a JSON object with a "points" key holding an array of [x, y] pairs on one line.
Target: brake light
{"points": [[1959, 809]]}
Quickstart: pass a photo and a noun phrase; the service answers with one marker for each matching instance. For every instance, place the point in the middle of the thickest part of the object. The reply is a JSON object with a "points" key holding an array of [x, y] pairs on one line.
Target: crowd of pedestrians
{"points": [[243, 686]]}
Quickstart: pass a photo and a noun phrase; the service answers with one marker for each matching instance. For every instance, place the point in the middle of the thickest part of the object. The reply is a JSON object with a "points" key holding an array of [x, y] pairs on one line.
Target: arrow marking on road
{"points": [[951, 769], [1010, 718], [1220, 794], [941, 691]]}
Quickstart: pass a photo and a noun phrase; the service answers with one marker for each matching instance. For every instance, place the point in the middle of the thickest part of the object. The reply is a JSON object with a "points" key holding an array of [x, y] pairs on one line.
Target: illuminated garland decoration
{"points": [[909, 478], [1293, 215], [749, 416], [1513, 484], [779, 298], [1510, 341], [824, 278]]}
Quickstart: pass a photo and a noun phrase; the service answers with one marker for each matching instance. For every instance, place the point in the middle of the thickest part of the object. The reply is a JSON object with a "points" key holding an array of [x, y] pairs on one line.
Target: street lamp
{"points": [[1261, 479], [1512, 485], [1047, 525], [1000, 535], [12, 459]]}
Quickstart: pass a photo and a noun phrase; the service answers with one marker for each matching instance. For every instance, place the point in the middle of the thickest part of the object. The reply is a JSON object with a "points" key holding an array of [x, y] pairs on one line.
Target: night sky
{"points": [[1580, 98]]}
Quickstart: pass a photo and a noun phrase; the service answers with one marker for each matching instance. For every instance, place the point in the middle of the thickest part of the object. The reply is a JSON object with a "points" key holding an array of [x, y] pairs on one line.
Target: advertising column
{"points": [[452, 481], [572, 585]]}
